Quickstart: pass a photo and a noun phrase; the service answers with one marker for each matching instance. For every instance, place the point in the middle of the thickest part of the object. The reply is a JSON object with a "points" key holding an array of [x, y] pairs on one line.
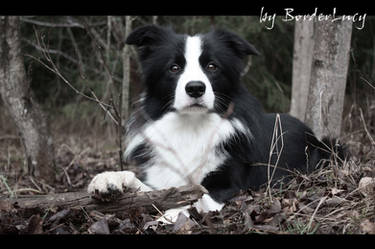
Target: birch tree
{"points": [[302, 61], [329, 69], [18, 99], [320, 65], [126, 70]]}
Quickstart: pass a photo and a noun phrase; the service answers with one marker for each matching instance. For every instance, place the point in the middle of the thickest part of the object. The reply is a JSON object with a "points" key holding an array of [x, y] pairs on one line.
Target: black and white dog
{"points": [[197, 123]]}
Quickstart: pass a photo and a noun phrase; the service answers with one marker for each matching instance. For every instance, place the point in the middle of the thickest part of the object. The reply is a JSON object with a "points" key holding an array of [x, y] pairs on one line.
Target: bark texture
{"points": [[126, 72], [162, 199], [19, 101], [302, 61], [328, 77]]}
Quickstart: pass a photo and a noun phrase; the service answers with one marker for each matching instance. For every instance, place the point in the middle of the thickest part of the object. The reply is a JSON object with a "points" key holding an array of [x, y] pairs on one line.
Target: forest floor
{"points": [[329, 201]]}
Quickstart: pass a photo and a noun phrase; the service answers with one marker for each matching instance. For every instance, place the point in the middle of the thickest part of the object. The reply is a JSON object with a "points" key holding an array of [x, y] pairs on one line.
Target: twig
{"points": [[36, 185], [52, 25], [368, 83], [8, 137], [65, 80], [364, 126], [56, 71], [80, 64], [92, 33], [4, 180], [298, 212], [103, 107], [67, 176], [28, 190], [315, 211], [274, 144], [51, 51]]}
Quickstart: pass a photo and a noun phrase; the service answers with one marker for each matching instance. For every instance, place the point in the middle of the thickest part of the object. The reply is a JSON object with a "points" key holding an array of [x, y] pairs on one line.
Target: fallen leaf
{"points": [[58, 216], [367, 186], [99, 227], [289, 205], [35, 225], [275, 207], [126, 224], [368, 227], [183, 224], [277, 220], [266, 228], [334, 201], [248, 222], [305, 209]]}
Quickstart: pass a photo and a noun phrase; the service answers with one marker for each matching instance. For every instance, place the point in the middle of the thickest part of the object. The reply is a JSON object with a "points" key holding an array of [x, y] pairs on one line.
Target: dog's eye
{"points": [[211, 67], [175, 68]]}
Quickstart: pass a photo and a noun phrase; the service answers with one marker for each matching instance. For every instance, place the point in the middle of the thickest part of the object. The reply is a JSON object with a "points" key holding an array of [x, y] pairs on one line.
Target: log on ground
{"points": [[161, 199]]}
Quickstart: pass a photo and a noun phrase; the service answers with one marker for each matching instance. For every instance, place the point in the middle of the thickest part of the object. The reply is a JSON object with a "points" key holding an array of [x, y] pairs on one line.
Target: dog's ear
{"points": [[240, 46], [146, 35]]}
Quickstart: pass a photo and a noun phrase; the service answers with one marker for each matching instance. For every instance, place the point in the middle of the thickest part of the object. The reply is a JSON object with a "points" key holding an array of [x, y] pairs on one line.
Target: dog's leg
{"points": [[115, 181], [207, 204], [203, 205]]}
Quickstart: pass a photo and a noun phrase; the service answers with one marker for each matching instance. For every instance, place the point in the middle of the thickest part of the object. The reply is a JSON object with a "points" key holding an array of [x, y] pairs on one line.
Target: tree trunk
{"points": [[126, 72], [328, 77], [302, 59], [20, 103]]}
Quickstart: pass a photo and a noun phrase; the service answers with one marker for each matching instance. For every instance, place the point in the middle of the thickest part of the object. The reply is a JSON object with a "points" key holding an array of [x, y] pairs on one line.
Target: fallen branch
{"points": [[162, 199]]}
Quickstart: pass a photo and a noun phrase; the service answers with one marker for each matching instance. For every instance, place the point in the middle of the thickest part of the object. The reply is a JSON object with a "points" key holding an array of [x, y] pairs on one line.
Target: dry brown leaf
{"points": [[183, 224], [305, 209], [99, 227], [368, 227], [58, 216], [266, 228], [334, 201], [367, 186], [35, 225], [275, 207], [290, 205]]}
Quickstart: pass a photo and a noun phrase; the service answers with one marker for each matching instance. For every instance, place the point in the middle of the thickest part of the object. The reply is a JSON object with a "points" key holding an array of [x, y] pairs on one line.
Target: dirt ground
{"points": [[329, 201]]}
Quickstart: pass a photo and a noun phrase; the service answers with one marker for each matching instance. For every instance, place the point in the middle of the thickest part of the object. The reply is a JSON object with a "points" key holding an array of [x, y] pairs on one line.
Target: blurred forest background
{"points": [[87, 51]]}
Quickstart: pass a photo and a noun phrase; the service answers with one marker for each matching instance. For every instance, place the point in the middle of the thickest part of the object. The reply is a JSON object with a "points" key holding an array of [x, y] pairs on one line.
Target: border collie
{"points": [[196, 123]]}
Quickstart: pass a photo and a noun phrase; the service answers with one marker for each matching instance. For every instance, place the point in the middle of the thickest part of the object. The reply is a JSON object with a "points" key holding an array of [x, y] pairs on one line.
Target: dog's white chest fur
{"points": [[183, 147]]}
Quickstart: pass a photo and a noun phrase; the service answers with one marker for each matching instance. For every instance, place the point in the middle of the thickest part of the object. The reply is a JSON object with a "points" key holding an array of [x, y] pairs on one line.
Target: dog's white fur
{"points": [[183, 147]]}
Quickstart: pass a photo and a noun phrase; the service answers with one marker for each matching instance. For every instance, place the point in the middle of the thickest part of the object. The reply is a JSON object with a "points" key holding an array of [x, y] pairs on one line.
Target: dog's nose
{"points": [[195, 89]]}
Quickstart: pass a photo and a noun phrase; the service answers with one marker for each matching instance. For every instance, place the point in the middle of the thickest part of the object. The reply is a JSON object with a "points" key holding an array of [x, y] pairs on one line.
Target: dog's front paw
{"points": [[110, 182]]}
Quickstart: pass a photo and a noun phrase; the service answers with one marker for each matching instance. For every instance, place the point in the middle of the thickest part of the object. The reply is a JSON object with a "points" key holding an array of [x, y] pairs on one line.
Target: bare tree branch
{"points": [[70, 23], [52, 25], [51, 51], [78, 53]]}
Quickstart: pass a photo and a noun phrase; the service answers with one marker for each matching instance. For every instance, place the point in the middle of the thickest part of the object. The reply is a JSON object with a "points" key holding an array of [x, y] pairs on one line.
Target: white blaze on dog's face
{"points": [[194, 92]]}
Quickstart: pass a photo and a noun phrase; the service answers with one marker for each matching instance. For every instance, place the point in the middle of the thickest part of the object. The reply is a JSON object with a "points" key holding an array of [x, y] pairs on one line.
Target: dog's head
{"points": [[190, 74]]}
